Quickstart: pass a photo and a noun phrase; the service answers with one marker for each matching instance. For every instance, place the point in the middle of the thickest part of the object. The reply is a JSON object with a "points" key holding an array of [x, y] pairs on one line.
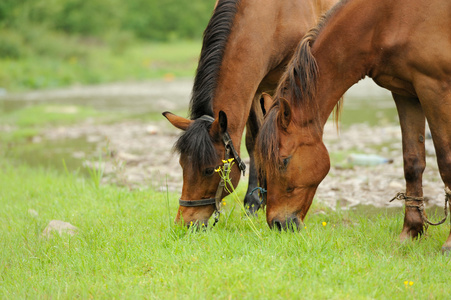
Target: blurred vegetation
{"points": [[74, 32]]}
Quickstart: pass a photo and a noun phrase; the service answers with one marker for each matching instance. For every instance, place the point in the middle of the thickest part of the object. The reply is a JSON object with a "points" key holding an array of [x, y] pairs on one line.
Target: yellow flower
{"points": [[218, 170], [224, 161], [230, 159], [224, 203], [324, 223], [410, 283], [305, 227], [406, 283]]}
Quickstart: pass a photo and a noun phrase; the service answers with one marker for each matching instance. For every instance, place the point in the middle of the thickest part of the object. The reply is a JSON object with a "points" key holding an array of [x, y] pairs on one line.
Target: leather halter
{"points": [[229, 150]]}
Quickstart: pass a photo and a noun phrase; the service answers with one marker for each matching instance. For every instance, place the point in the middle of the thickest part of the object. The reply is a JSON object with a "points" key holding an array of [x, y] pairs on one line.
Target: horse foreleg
{"points": [[252, 201], [435, 98], [412, 121]]}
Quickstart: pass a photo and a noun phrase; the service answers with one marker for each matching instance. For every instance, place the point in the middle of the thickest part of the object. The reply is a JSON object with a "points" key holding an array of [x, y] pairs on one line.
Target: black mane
{"points": [[214, 42], [196, 144]]}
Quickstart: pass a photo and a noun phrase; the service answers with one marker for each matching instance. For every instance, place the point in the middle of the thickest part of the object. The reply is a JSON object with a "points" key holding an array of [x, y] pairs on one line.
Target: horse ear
{"points": [[222, 121], [284, 115], [179, 122], [265, 102], [219, 125]]}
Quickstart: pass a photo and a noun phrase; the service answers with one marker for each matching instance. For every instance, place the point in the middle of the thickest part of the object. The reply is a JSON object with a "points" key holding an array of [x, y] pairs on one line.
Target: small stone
{"points": [[33, 213], [396, 185], [128, 157], [151, 129], [60, 227]]}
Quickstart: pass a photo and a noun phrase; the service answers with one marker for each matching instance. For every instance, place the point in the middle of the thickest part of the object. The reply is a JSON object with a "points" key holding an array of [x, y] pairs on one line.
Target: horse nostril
{"points": [[277, 225], [290, 223], [293, 224]]}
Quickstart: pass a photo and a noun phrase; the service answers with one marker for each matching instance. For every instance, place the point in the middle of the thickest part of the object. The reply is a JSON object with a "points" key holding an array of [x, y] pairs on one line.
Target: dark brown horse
{"points": [[246, 47], [405, 46]]}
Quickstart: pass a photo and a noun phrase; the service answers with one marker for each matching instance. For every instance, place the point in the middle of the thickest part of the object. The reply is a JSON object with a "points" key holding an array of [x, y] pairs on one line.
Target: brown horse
{"points": [[405, 47], [246, 46]]}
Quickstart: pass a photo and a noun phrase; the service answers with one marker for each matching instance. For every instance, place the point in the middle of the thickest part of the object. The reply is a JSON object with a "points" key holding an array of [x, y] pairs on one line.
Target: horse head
{"points": [[202, 147], [292, 159]]}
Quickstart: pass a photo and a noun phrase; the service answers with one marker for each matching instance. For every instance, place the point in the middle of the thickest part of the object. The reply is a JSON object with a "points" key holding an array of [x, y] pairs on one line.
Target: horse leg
{"points": [[252, 201], [412, 121], [436, 100]]}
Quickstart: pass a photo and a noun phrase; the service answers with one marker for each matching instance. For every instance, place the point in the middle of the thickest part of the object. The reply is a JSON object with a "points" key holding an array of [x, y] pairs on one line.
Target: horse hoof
{"points": [[446, 250], [252, 212], [252, 205]]}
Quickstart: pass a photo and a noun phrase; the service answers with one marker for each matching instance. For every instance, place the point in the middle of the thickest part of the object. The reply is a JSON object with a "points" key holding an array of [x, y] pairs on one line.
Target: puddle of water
{"points": [[380, 112], [54, 154], [368, 103], [128, 98]]}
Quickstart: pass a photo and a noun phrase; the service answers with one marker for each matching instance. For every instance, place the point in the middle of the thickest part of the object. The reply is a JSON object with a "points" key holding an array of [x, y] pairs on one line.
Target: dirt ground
{"points": [[139, 154]]}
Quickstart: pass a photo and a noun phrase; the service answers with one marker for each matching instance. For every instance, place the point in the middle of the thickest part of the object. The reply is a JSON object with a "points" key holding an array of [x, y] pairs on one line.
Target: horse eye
{"points": [[290, 189], [285, 162], [209, 171]]}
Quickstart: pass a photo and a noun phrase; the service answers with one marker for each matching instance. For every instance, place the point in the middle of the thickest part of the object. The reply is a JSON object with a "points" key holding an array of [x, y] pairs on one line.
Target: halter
{"points": [[229, 150]]}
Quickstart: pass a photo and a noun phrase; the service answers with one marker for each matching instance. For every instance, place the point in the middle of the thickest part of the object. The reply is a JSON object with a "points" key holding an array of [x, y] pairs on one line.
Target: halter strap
{"points": [[229, 145], [195, 203], [227, 140]]}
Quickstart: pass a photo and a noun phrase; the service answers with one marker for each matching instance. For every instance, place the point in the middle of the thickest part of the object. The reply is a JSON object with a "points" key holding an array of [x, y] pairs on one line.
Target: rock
{"points": [[60, 227], [430, 149], [396, 185], [367, 159], [151, 129], [33, 213], [128, 157]]}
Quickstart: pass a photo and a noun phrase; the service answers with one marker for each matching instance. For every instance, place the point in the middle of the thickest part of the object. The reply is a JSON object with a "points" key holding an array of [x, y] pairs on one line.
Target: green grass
{"points": [[99, 63], [128, 248]]}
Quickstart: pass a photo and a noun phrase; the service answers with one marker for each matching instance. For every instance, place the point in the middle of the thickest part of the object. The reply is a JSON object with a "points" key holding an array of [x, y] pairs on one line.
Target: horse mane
{"points": [[299, 81], [214, 42], [299, 85], [195, 143]]}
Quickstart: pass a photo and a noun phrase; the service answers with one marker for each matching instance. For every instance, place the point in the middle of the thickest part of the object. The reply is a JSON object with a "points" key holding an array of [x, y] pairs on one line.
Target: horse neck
{"points": [[237, 84], [343, 52], [253, 49]]}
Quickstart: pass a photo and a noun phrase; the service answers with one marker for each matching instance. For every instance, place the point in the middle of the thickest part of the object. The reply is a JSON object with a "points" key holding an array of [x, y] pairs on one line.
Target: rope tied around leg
{"points": [[418, 202]]}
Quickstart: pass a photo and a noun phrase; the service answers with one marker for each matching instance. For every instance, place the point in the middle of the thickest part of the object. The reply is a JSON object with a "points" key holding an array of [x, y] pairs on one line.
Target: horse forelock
{"points": [[196, 145], [267, 150], [213, 46]]}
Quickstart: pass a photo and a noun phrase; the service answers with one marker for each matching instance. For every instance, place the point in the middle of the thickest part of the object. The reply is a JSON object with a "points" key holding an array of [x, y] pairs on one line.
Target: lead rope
{"points": [[418, 202]]}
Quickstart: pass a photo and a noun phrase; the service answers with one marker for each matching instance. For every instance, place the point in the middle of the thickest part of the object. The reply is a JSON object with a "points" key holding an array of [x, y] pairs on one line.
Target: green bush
{"points": [[11, 45], [145, 19]]}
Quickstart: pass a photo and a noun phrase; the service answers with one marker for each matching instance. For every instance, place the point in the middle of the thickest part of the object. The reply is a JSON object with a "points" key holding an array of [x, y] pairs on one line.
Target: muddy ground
{"points": [[139, 154]]}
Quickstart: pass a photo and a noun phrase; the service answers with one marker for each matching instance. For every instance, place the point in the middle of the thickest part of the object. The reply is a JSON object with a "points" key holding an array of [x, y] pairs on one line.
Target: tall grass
{"points": [[127, 249]]}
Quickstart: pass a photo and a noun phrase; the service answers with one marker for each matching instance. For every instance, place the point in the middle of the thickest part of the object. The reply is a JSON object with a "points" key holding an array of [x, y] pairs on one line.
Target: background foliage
{"points": [[144, 19], [43, 38]]}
